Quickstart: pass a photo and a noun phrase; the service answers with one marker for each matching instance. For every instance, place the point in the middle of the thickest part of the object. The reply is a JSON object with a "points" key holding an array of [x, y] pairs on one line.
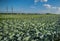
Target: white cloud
{"points": [[40, 0], [50, 6], [35, 1], [44, 0], [47, 5]]}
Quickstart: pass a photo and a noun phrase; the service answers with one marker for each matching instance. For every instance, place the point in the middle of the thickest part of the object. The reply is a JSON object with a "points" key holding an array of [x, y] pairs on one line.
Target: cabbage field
{"points": [[29, 27]]}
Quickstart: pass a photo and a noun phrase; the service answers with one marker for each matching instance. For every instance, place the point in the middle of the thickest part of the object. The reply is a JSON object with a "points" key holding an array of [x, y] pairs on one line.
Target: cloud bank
{"points": [[48, 6], [54, 8]]}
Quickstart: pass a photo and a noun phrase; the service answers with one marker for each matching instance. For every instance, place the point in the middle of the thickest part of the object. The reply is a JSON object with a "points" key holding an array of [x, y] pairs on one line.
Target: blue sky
{"points": [[30, 6]]}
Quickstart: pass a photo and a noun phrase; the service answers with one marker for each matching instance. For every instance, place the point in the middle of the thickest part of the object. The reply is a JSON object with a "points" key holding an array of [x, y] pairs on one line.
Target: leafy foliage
{"points": [[45, 28]]}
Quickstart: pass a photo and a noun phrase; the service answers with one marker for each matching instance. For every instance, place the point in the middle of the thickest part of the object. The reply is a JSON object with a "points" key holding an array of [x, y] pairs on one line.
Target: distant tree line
{"points": [[28, 13]]}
